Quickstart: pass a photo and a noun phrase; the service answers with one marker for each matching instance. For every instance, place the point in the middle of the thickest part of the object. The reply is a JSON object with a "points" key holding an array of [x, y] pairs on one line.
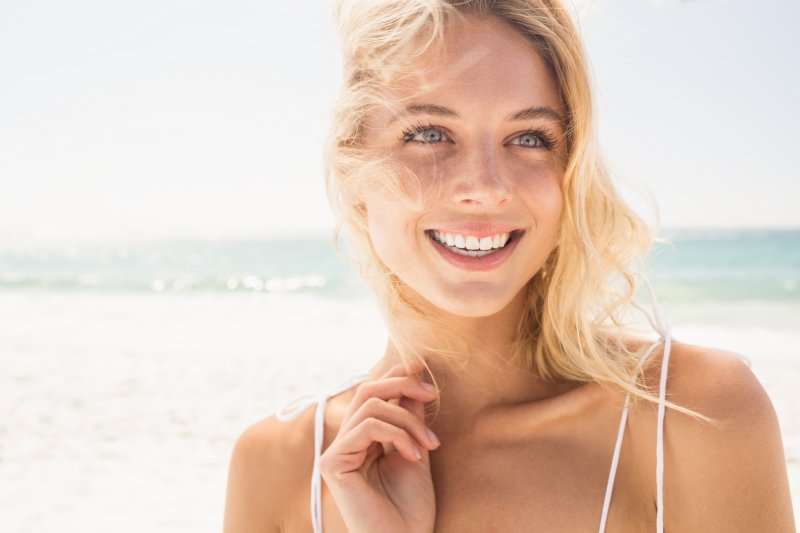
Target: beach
{"points": [[125, 384], [119, 413]]}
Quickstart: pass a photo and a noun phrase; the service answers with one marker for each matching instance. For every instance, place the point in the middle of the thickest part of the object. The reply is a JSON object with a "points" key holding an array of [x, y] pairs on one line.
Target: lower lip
{"points": [[477, 264]]}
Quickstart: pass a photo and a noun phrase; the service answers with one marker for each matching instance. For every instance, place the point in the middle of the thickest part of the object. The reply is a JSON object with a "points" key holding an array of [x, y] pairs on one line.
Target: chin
{"points": [[473, 304]]}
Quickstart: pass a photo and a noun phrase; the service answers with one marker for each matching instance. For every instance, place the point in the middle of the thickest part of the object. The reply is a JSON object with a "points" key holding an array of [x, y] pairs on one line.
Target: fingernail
{"points": [[432, 436], [428, 387]]}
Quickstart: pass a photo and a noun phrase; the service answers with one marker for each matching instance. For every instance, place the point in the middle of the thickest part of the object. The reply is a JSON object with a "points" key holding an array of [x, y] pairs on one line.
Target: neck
{"points": [[482, 377]]}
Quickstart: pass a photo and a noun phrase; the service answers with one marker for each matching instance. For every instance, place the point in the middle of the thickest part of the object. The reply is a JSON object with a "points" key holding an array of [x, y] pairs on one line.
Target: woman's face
{"points": [[480, 125]]}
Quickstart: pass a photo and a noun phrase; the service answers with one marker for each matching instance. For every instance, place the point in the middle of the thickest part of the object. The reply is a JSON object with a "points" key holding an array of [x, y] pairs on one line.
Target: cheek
{"points": [[404, 184], [378, 224], [418, 177], [389, 230], [540, 190], [554, 201]]}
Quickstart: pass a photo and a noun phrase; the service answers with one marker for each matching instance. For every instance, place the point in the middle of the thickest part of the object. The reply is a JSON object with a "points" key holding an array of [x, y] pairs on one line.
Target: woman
{"points": [[513, 394]]}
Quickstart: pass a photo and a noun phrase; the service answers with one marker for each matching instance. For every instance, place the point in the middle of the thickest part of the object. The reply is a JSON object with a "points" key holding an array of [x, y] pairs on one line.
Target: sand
{"points": [[118, 412]]}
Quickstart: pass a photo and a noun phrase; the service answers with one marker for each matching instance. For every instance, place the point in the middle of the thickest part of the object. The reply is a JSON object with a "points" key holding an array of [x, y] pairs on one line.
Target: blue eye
{"points": [[528, 139], [430, 134], [538, 138], [424, 134]]}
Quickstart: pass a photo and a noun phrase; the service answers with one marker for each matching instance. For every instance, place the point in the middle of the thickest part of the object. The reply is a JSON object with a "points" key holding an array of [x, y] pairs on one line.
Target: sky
{"points": [[207, 119]]}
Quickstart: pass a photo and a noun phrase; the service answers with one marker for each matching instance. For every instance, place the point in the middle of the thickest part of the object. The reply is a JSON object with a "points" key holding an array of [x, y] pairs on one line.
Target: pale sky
{"points": [[207, 119]]}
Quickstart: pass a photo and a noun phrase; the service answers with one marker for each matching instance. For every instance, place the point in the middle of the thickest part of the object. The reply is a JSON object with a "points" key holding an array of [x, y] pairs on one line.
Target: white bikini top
{"points": [[298, 406]]}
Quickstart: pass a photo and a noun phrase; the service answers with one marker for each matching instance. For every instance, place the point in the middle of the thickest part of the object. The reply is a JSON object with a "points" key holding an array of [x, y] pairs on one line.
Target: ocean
{"points": [[722, 266], [129, 369]]}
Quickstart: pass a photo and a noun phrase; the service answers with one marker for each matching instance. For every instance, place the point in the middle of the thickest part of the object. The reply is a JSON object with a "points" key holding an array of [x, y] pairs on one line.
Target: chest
{"points": [[520, 474], [552, 484]]}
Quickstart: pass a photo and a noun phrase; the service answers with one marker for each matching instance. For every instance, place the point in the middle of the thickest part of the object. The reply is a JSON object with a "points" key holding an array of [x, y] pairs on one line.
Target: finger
{"points": [[390, 389], [412, 370], [346, 454], [417, 409], [394, 415], [401, 370]]}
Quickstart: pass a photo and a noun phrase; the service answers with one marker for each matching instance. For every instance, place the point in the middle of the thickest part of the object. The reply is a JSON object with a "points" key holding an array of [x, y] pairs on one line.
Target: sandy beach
{"points": [[118, 411]]}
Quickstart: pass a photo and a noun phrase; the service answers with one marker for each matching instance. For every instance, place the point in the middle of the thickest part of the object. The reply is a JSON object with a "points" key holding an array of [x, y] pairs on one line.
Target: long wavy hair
{"points": [[576, 323]]}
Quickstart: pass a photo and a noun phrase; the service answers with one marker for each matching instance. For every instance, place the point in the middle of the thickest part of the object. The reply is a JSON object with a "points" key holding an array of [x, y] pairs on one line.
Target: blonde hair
{"points": [[574, 325]]}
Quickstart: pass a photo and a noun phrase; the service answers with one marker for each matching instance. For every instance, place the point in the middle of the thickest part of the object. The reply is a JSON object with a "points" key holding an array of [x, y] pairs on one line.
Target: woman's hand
{"points": [[378, 468]]}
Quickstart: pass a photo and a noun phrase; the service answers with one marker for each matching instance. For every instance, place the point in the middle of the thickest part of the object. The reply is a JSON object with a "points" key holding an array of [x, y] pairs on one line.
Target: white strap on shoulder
{"points": [[663, 331], [618, 445], [297, 407], [662, 397], [614, 462], [316, 478]]}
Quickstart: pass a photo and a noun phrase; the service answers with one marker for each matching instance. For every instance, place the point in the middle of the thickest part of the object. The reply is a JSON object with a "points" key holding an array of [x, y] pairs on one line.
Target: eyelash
{"points": [[544, 135]]}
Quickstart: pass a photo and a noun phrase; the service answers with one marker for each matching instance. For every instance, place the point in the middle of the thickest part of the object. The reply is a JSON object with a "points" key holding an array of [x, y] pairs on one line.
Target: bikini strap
{"points": [[662, 398], [295, 409], [618, 445], [665, 336], [614, 462]]}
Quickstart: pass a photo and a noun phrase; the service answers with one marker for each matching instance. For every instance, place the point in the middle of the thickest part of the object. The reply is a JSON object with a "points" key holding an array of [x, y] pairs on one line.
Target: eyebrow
{"points": [[529, 113]]}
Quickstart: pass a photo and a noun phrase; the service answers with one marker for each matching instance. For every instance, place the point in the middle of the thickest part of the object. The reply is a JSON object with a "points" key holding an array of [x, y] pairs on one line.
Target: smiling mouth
{"points": [[471, 246]]}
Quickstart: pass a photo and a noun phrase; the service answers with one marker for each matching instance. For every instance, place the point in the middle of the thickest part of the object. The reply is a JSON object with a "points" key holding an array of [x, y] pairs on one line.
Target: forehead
{"points": [[479, 58]]}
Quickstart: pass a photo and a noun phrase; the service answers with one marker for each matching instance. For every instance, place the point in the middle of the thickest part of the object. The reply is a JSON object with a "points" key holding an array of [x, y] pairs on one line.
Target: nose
{"points": [[479, 180]]}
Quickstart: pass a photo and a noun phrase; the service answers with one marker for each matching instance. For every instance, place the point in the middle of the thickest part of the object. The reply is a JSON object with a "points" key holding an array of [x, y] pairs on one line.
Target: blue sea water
{"points": [[705, 266], [726, 266], [180, 266]]}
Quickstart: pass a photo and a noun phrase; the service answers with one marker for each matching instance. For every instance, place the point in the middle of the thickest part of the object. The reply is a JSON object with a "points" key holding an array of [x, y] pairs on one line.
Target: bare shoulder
{"points": [[717, 384], [727, 474], [270, 465]]}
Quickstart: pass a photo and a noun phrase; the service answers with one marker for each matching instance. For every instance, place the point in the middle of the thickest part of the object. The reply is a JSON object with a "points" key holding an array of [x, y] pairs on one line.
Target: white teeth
{"points": [[470, 243], [473, 253]]}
